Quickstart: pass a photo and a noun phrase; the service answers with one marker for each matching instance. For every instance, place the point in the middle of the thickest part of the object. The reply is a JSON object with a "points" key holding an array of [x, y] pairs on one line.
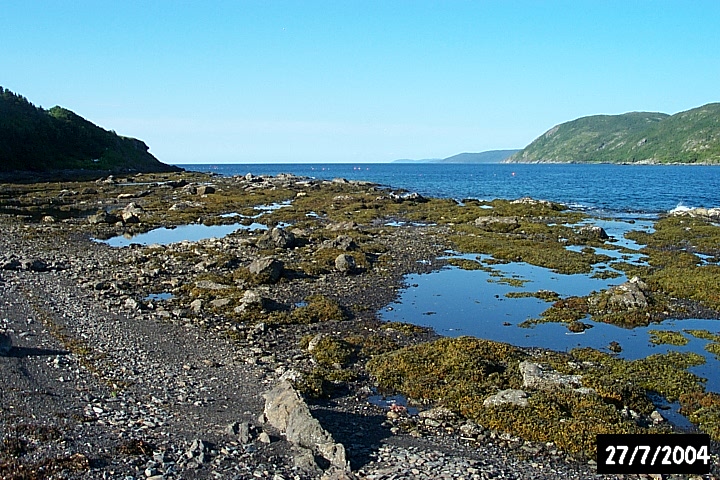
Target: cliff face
{"points": [[692, 136], [33, 139]]}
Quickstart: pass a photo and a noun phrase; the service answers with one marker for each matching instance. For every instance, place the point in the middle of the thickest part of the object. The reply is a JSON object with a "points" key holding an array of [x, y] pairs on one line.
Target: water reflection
{"points": [[191, 233]]}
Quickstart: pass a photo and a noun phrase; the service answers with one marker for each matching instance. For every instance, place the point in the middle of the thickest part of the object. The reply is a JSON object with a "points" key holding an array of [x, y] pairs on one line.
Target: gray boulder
{"points": [[345, 263], [593, 232], [287, 411], [511, 396], [282, 238], [627, 296], [537, 377], [266, 270]]}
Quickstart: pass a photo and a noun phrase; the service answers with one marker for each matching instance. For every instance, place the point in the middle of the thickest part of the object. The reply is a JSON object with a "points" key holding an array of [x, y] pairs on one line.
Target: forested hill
{"points": [[38, 140], [692, 136]]}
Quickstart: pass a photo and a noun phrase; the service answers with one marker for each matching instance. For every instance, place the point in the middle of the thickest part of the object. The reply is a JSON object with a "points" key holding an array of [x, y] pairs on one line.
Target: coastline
{"points": [[134, 370]]}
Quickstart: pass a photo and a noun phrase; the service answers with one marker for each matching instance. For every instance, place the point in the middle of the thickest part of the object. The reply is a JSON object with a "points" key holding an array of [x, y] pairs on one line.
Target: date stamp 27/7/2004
{"points": [[648, 453]]}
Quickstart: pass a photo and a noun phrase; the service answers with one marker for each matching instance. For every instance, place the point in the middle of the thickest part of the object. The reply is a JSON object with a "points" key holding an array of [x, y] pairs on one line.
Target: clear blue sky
{"points": [[345, 81]]}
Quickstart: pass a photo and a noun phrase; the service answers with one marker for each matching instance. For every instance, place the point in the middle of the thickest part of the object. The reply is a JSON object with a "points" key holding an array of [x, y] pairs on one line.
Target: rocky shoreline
{"points": [[105, 380]]}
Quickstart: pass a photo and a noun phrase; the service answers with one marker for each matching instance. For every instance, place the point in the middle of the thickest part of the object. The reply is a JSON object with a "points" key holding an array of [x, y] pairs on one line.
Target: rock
{"points": [[342, 242], [614, 347], [205, 190], [531, 201], [626, 296], [196, 305], [250, 299], [511, 396], [264, 437], [438, 413], [5, 343], [131, 213], [656, 417], [537, 377], [334, 227], [266, 270], [102, 217], [210, 285], [593, 232], [198, 451], [345, 263], [48, 219], [282, 238], [286, 411], [220, 302], [497, 224]]}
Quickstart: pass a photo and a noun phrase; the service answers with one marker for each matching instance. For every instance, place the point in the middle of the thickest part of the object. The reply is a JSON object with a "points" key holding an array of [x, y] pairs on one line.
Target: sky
{"points": [[355, 81]]}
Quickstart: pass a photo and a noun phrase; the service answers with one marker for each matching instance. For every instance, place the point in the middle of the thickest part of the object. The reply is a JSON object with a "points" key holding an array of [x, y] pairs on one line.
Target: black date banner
{"points": [[661, 453]]}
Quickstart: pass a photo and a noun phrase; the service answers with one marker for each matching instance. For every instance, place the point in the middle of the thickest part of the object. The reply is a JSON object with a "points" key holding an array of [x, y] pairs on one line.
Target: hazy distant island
{"points": [[491, 156], [690, 137], [38, 141]]}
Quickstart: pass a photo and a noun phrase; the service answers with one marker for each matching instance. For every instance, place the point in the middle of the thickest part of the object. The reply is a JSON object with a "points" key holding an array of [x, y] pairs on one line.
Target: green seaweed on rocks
{"points": [[703, 409], [667, 337], [319, 308], [461, 373]]}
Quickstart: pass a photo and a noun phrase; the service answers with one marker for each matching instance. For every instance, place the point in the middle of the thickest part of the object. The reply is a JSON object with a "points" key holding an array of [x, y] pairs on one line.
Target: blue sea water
{"points": [[614, 190]]}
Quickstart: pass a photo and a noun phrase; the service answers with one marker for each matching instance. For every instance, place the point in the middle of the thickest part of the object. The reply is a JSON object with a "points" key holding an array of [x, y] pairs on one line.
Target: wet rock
{"points": [[615, 347], [5, 343], [48, 219], [627, 296], [537, 377], [266, 270], [345, 263], [286, 411], [593, 232], [511, 396], [656, 417]]}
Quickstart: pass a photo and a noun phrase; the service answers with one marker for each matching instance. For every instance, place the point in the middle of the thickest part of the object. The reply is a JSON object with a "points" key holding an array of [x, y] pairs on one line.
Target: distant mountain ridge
{"points": [[689, 137], [490, 156], [33, 139]]}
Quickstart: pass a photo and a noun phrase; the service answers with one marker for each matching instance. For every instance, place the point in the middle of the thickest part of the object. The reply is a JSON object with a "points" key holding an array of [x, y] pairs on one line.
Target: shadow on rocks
{"points": [[362, 435], [22, 352]]}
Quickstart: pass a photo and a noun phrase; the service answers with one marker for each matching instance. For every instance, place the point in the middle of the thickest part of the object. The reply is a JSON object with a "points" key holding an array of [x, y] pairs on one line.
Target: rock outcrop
{"points": [[286, 411]]}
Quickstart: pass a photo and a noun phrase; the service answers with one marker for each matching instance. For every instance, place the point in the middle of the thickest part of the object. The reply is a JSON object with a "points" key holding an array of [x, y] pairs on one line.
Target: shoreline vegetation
{"points": [[298, 300]]}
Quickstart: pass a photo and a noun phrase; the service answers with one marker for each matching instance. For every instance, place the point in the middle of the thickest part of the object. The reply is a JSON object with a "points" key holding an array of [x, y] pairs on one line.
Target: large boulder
{"points": [[287, 411], [282, 238], [266, 270], [627, 296], [537, 377], [345, 263]]}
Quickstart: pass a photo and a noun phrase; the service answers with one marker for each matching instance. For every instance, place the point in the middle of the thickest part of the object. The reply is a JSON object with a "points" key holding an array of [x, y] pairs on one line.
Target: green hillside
{"points": [[38, 140], [638, 137]]}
